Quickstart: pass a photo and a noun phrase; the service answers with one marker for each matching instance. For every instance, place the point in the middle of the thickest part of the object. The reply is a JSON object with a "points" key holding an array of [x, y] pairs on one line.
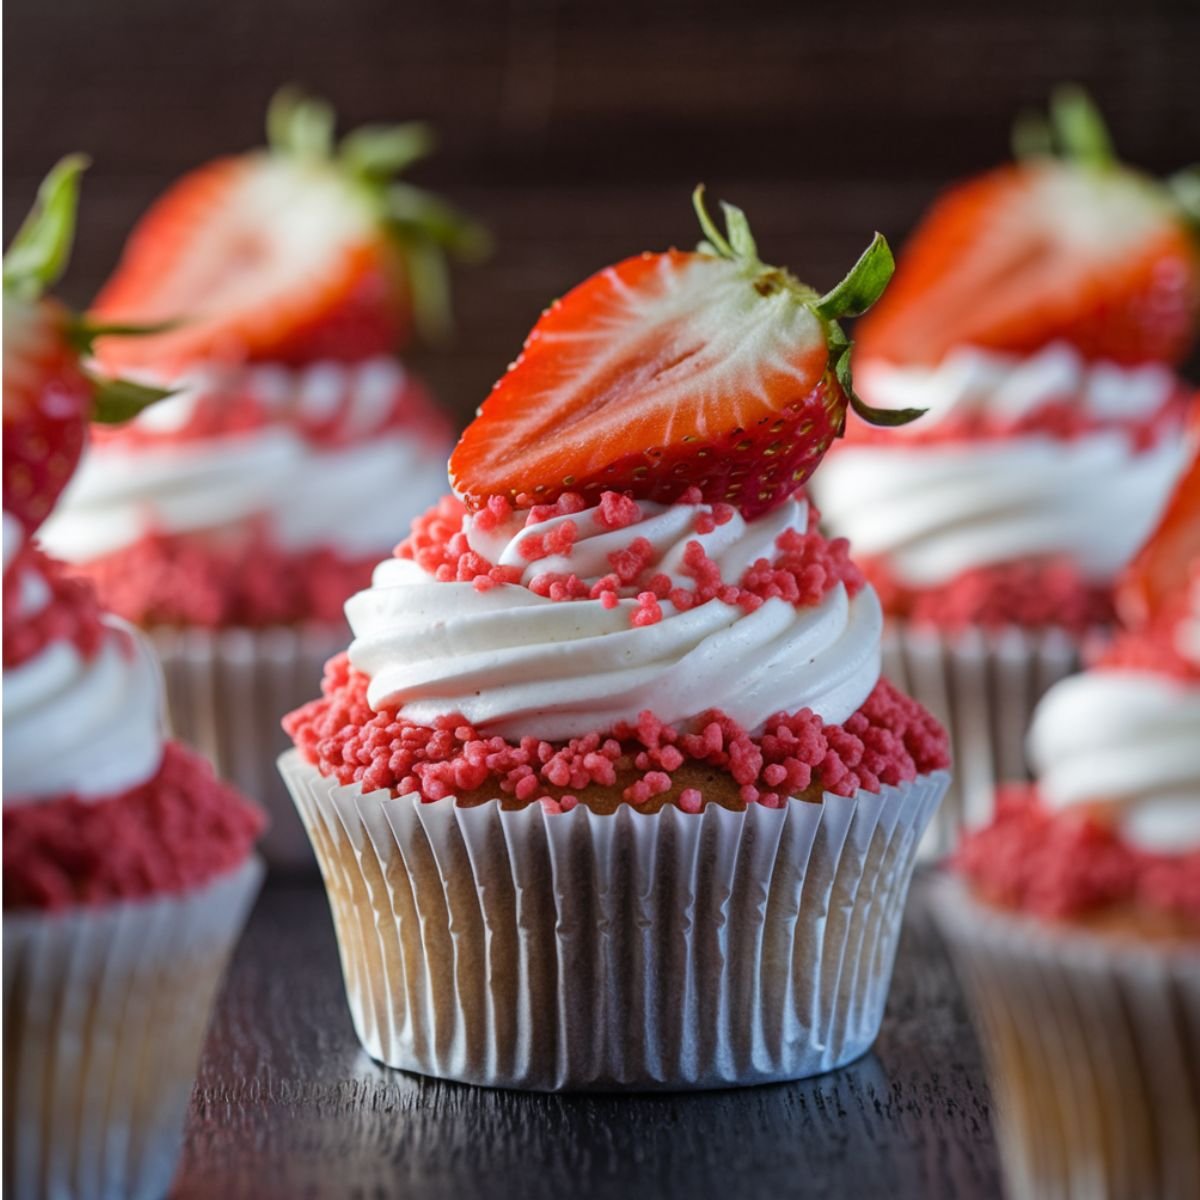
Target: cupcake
{"points": [[607, 791], [128, 866], [1076, 917], [220, 520], [1038, 313]]}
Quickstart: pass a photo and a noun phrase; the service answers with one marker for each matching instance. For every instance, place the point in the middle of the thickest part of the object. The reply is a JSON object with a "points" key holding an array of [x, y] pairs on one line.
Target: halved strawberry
{"points": [[48, 397], [1078, 248], [1165, 567], [295, 253], [673, 370]]}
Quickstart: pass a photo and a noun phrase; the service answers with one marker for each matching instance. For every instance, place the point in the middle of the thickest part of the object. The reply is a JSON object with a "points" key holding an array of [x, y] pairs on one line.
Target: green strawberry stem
{"points": [[118, 400], [425, 230], [38, 254], [36, 260], [862, 286], [1075, 132]]}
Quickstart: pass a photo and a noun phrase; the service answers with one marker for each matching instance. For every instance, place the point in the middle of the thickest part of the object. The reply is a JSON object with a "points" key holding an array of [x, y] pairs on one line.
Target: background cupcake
{"points": [[1037, 314], [607, 792], [234, 519], [128, 865], [1077, 925]]}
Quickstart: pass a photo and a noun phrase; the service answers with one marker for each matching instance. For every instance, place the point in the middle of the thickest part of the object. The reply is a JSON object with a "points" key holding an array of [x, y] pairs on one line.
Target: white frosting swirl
{"points": [[936, 510], [350, 496], [518, 664], [1129, 739], [75, 726]]}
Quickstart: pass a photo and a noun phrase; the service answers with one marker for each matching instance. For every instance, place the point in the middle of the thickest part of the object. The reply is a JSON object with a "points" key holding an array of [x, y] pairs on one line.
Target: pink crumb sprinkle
{"points": [[648, 611], [889, 740], [617, 511], [804, 569]]}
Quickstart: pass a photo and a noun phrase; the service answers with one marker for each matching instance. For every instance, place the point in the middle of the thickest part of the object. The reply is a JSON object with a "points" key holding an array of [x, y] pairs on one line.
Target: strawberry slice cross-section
{"points": [[305, 250], [675, 370], [1066, 244]]}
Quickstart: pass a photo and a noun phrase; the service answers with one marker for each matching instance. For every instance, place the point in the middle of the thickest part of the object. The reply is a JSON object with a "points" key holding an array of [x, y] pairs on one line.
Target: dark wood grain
{"points": [[287, 1105], [576, 130]]}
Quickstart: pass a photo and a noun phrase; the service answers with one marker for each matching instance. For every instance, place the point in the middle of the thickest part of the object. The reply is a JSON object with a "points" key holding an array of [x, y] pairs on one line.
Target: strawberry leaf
{"points": [[383, 151], [715, 243], [738, 230], [117, 400], [1184, 187], [300, 125], [38, 254], [82, 332], [863, 285], [1079, 128]]}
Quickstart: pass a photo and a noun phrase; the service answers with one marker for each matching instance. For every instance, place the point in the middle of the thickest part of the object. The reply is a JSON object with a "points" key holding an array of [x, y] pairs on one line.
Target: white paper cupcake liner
{"points": [[227, 691], [105, 1011], [1093, 1050], [983, 686], [623, 951]]}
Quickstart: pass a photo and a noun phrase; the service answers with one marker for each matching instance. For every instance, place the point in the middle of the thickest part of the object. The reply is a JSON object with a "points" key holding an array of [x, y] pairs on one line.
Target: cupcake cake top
{"points": [[1111, 830], [97, 804], [1038, 313], [627, 600]]}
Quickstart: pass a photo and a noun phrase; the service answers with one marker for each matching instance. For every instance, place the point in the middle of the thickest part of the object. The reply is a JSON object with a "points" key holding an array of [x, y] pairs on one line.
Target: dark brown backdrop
{"points": [[578, 129]]}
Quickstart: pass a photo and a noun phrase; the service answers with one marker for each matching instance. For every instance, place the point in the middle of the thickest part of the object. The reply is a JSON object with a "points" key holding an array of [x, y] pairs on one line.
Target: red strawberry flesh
{"points": [[663, 372], [46, 405], [256, 257], [1038, 252]]}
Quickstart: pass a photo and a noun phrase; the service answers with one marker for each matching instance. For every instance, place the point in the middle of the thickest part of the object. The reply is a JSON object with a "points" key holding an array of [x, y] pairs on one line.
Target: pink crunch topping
{"points": [[1067, 864], [69, 613], [805, 569], [1039, 594], [889, 740], [214, 583], [179, 829]]}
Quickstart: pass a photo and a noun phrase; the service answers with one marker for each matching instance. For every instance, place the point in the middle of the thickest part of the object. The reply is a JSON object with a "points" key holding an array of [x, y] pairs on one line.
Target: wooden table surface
{"points": [[287, 1105]]}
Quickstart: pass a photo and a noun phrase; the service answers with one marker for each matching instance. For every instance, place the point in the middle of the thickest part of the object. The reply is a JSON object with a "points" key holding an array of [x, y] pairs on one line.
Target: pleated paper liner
{"points": [[227, 691], [983, 686], [105, 1011], [1093, 1051], [622, 951]]}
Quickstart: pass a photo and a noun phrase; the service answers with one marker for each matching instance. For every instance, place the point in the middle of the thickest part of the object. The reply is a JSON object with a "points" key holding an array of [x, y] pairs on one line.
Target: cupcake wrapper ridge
{"points": [[227, 691], [105, 1011], [1093, 1052], [983, 687], [578, 951]]}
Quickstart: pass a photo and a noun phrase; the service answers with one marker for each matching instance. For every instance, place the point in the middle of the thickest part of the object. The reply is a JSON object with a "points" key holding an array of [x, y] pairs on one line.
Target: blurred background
{"points": [[577, 130]]}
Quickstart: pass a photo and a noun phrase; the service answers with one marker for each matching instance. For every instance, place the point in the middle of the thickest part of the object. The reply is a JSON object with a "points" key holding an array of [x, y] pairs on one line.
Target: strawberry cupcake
{"points": [[229, 520], [1037, 314], [617, 697], [128, 866], [1076, 920]]}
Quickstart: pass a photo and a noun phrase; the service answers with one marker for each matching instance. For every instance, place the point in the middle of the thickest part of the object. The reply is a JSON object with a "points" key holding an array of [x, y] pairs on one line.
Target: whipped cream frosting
{"points": [[1130, 739], [938, 509], [969, 381], [352, 494], [1125, 738], [74, 726], [518, 664]]}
